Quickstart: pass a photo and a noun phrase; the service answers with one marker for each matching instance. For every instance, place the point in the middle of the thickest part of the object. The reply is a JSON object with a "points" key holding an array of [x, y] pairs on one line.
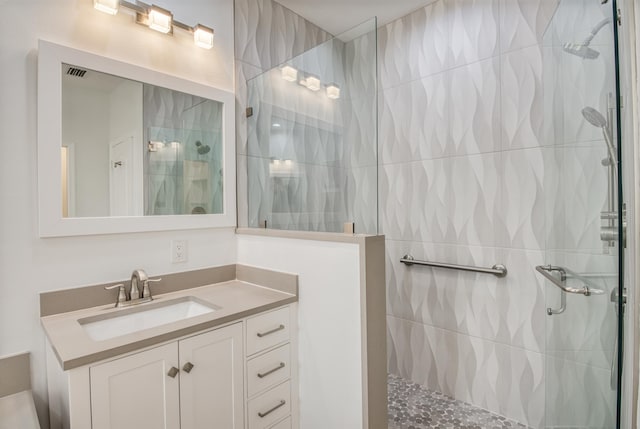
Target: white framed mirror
{"points": [[125, 149]]}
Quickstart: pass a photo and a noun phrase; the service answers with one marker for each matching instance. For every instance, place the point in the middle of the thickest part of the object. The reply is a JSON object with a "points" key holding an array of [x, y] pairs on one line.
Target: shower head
{"points": [[202, 149], [594, 117], [598, 120], [582, 49]]}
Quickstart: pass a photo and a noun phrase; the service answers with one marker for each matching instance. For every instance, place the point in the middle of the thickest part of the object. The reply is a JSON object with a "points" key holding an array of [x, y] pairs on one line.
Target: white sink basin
{"points": [[134, 319]]}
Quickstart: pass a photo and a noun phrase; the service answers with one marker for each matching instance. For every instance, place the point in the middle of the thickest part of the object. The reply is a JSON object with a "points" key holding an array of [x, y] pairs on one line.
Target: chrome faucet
{"points": [[139, 278]]}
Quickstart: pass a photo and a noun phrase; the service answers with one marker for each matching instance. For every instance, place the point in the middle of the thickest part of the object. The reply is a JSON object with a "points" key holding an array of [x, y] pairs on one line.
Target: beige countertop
{"points": [[236, 299]]}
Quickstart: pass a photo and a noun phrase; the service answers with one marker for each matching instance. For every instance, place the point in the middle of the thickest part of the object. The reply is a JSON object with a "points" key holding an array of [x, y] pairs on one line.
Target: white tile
{"points": [[522, 98], [474, 30], [523, 22], [474, 211], [474, 106], [522, 213]]}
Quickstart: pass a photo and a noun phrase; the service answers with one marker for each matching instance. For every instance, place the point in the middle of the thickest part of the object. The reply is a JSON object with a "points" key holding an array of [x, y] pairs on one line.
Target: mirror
{"points": [[132, 149], [126, 149]]}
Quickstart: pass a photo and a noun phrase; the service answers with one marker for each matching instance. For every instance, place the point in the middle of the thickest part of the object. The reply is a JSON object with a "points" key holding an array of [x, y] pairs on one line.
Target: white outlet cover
{"points": [[179, 251]]}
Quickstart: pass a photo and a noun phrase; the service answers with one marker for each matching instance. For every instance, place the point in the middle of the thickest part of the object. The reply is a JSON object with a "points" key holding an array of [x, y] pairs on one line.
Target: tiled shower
{"points": [[483, 157]]}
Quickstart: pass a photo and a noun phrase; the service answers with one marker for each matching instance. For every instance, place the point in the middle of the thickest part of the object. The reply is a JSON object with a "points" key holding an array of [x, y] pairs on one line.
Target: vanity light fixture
{"points": [[333, 91], [203, 36], [158, 19], [289, 74], [107, 6], [312, 82]]}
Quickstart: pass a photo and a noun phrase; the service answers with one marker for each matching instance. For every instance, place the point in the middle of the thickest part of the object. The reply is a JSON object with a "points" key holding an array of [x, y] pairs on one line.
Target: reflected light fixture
{"points": [[313, 83], [160, 19], [333, 91], [203, 36], [289, 74], [107, 6]]}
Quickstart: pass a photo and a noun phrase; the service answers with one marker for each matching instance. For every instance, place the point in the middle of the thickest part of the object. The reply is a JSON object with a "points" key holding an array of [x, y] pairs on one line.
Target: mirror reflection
{"points": [[134, 149]]}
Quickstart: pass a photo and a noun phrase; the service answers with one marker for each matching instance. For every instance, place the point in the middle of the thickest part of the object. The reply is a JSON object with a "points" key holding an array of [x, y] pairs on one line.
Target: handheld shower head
{"points": [[598, 120], [594, 117]]}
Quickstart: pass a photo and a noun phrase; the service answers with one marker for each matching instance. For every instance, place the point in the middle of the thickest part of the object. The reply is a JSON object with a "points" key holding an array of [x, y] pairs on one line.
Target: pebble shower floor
{"points": [[411, 406]]}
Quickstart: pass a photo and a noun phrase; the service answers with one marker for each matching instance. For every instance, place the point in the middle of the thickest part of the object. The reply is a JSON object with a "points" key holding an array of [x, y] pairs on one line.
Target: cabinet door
{"points": [[137, 391], [211, 391]]}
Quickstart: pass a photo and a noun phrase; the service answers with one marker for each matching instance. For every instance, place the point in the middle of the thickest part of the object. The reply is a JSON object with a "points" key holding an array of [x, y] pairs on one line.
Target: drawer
{"points": [[270, 407], [267, 330], [285, 424], [269, 369]]}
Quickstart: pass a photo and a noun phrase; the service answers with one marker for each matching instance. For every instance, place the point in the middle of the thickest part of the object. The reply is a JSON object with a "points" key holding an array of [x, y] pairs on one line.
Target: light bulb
{"points": [[203, 36], [313, 83], [107, 6], [289, 74], [333, 91], [160, 19]]}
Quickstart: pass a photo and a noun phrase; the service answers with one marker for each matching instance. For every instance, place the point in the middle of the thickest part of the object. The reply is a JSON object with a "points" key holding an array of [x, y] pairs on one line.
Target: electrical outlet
{"points": [[178, 251]]}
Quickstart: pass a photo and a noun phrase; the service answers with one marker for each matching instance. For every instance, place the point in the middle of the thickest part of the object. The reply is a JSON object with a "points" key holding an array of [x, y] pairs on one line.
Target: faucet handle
{"points": [[122, 295], [146, 292]]}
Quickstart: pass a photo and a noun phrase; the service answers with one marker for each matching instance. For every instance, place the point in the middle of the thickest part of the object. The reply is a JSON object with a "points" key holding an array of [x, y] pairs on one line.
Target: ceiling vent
{"points": [[75, 71]]}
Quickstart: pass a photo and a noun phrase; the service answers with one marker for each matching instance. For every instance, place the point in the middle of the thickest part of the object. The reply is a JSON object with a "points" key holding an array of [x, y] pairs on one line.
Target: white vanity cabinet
{"points": [[193, 383], [239, 376]]}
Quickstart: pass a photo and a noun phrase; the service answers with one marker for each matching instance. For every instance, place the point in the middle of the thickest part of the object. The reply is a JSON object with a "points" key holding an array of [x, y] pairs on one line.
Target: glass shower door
{"points": [[582, 169]]}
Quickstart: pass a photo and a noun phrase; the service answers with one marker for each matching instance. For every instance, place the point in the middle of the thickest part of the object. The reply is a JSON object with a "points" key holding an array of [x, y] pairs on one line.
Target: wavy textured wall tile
{"points": [[523, 199], [474, 108], [501, 379], [474, 211], [267, 33], [523, 22], [522, 99], [414, 46], [474, 29], [414, 120]]}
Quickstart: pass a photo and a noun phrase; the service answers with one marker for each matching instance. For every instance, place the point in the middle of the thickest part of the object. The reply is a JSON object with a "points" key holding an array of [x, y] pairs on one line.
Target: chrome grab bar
{"points": [[497, 270], [547, 270]]}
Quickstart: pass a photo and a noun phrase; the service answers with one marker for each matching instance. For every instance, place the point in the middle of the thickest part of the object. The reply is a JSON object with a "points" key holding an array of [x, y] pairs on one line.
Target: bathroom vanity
{"points": [[226, 359]]}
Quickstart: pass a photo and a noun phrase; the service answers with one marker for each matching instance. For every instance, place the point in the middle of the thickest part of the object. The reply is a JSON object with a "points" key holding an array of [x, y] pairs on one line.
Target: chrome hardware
{"points": [[271, 371], [266, 413], [563, 305], [560, 281], [173, 372], [122, 295], [187, 367], [497, 270], [585, 290], [146, 292], [273, 331], [134, 297]]}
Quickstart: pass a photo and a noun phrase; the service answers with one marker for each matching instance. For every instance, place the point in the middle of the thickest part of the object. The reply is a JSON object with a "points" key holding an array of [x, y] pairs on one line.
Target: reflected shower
{"points": [[582, 49]]}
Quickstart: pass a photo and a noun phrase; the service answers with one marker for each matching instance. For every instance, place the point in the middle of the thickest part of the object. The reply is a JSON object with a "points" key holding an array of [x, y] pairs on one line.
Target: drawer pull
{"points": [[266, 413], [187, 367], [271, 371], [273, 331], [173, 372]]}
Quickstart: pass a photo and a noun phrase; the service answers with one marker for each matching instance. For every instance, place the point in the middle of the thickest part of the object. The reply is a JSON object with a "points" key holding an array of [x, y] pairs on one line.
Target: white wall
{"points": [[29, 265], [330, 367], [85, 119]]}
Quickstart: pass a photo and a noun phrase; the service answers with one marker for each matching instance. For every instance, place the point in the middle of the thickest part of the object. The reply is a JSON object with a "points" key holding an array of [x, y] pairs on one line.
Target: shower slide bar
{"points": [[497, 270]]}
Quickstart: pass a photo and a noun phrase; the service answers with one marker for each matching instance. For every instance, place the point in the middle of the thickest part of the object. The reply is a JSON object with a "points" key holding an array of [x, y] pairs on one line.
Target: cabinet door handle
{"points": [[187, 367], [273, 331], [173, 372], [266, 413], [271, 371]]}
